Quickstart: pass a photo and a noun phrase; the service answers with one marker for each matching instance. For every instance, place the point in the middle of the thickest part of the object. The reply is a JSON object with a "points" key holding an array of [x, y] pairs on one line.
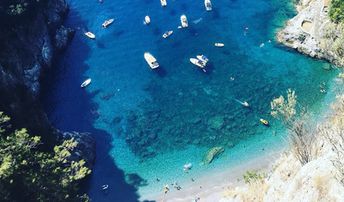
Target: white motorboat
{"points": [[208, 6], [147, 20], [198, 63], [184, 21], [151, 61], [220, 45], [86, 83], [203, 58], [108, 22], [163, 3], [167, 34], [90, 35]]}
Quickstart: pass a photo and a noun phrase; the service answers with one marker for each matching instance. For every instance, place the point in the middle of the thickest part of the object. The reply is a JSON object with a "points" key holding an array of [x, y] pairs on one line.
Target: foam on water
{"points": [[158, 121]]}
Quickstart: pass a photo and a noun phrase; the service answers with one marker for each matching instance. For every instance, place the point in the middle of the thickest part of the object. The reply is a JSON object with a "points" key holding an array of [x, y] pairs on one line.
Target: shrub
{"points": [[337, 11], [252, 176]]}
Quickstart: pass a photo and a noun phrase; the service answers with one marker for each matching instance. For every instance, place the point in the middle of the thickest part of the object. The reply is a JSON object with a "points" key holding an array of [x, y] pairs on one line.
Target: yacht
{"points": [[220, 45], [90, 35], [147, 20], [198, 63], [184, 21], [167, 34], [163, 3], [86, 83], [207, 4], [151, 61], [202, 58], [108, 22]]}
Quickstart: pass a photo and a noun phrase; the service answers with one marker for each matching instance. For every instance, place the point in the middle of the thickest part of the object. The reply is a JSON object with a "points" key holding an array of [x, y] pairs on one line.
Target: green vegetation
{"points": [[337, 11], [27, 174], [252, 176]]}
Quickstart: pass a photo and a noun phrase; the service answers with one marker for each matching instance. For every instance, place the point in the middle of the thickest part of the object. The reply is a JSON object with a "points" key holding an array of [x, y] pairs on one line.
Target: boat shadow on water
{"points": [[161, 72], [74, 110]]}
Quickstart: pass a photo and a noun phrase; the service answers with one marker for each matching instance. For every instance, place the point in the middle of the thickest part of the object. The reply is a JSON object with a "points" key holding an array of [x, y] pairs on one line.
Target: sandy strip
{"points": [[210, 188]]}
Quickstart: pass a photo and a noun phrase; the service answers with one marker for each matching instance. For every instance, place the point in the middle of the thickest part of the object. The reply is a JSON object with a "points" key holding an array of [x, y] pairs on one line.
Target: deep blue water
{"points": [[149, 123]]}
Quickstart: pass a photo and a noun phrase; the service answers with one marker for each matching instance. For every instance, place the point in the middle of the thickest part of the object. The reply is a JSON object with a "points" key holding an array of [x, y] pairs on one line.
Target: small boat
{"points": [[167, 34], [105, 187], [147, 20], [163, 3], [90, 35], [86, 83], [187, 167], [264, 122], [245, 104], [208, 6], [108, 22], [203, 58], [184, 21], [151, 61], [198, 63], [220, 45]]}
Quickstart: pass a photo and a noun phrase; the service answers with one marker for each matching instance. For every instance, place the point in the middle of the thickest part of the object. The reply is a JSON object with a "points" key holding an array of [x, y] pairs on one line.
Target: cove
{"points": [[148, 124]]}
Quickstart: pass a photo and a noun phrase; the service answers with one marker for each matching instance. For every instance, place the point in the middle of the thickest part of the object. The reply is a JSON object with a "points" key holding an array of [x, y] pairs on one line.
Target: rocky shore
{"points": [[28, 50], [311, 32]]}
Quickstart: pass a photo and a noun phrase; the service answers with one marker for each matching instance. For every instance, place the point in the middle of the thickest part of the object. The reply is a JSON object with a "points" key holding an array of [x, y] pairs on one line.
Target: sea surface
{"points": [[148, 124]]}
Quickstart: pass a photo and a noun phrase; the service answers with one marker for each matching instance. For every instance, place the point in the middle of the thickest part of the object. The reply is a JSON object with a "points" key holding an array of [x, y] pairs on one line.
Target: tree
{"points": [[37, 175], [302, 135]]}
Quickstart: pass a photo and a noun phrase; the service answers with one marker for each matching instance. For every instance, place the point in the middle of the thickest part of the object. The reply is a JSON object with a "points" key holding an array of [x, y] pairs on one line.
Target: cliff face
{"points": [[27, 51], [311, 32]]}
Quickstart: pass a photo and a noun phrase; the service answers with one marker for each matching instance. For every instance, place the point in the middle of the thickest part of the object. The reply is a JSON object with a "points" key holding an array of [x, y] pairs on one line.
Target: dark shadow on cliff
{"points": [[70, 108]]}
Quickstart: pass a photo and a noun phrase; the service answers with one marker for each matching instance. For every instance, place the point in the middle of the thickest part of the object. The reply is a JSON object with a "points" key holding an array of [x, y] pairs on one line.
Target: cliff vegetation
{"points": [[28, 174]]}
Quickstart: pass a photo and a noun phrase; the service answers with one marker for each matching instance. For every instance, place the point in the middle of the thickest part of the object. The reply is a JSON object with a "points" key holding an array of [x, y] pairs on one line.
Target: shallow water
{"points": [[151, 123]]}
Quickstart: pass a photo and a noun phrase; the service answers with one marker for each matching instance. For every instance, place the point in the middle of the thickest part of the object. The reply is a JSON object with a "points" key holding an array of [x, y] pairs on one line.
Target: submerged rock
{"points": [[216, 122], [212, 154]]}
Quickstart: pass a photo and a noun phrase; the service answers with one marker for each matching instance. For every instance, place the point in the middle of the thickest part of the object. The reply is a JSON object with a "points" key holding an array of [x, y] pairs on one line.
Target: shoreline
{"points": [[213, 190]]}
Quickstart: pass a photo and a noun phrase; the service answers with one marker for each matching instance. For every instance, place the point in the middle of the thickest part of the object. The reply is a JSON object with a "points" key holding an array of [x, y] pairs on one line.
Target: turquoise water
{"points": [[148, 124]]}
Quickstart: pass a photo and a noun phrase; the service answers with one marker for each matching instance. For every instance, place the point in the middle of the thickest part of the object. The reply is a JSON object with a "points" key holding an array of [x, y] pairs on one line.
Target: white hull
{"points": [[208, 6], [197, 62], [147, 20], [167, 34], [86, 83], [163, 3], [90, 35], [107, 22], [202, 58], [184, 21], [220, 45], [151, 61]]}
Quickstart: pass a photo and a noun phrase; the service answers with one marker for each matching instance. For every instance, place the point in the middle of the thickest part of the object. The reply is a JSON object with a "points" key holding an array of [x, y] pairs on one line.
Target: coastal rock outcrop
{"points": [[311, 32], [30, 40]]}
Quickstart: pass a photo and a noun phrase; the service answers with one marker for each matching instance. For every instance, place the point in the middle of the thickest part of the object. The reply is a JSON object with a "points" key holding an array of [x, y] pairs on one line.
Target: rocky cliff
{"points": [[29, 44], [311, 32]]}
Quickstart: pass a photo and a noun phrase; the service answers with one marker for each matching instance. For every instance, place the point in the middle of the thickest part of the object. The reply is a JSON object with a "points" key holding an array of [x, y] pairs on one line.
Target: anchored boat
{"points": [[86, 83], [163, 3], [184, 21], [198, 63], [208, 6], [167, 34], [108, 22], [151, 61], [147, 20], [220, 45], [90, 35]]}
